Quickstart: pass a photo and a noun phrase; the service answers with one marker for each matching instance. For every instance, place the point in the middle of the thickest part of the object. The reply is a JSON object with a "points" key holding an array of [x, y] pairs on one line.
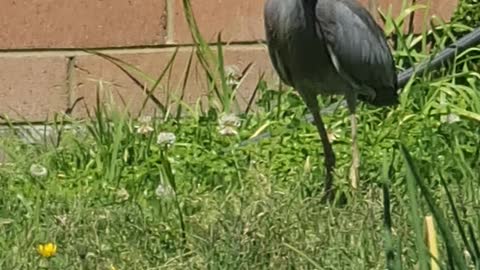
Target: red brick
{"points": [[92, 69], [237, 20], [32, 88], [243, 20], [441, 8], [81, 23]]}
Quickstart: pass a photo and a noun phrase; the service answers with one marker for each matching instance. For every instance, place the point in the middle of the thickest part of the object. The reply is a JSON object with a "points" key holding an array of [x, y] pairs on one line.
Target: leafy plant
{"points": [[468, 13]]}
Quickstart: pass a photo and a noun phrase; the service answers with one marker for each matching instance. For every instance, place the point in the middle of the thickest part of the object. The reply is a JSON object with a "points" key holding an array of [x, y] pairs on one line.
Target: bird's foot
{"points": [[329, 195], [334, 197]]}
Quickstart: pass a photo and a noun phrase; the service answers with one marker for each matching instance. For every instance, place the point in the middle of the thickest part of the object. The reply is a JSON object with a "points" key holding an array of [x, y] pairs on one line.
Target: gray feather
{"points": [[357, 43], [330, 47]]}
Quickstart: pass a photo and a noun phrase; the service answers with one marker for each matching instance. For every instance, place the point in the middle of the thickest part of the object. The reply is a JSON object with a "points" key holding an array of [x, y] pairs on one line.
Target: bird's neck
{"points": [[292, 16]]}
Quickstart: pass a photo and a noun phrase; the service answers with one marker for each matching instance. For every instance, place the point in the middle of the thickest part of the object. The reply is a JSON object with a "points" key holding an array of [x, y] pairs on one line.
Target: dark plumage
{"points": [[325, 47]]}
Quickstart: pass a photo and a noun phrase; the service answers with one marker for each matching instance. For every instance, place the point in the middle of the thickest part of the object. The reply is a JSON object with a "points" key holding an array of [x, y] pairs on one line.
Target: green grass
{"points": [[236, 207], [115, 197]]}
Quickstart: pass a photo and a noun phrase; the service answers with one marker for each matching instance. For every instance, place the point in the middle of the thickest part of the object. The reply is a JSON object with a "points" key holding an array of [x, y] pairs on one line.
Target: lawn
{"points": [[215, 190]]}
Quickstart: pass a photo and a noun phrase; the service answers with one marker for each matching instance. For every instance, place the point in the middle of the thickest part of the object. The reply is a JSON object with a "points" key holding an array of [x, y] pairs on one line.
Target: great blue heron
{"points": [[325, 47]]}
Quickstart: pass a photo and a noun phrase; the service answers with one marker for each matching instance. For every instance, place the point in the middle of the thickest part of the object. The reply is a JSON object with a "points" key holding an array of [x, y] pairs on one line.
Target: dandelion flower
{"points": [[145, 126], [47, 250], [166, 138], [37, 170]]}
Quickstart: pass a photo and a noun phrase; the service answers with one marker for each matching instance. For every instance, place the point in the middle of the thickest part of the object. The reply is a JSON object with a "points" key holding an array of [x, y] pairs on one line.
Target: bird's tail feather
{"points": [[383, 98]]}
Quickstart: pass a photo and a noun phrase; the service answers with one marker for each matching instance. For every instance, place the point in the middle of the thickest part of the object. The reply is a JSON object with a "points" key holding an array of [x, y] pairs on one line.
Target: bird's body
{"points": [[307, 37], [325, 47], [298, 54]]}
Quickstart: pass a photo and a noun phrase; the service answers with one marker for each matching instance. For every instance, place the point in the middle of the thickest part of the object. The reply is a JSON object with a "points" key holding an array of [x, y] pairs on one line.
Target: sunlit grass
{"points": [[233, 205]]}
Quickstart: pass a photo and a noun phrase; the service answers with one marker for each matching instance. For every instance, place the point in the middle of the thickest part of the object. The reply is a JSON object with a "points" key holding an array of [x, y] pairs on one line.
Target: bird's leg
{"points": [[312, 104], [354, 174]]}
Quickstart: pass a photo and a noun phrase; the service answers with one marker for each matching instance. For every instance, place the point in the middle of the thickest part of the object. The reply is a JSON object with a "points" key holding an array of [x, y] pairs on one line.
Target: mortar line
{"points": [[118, 51]]}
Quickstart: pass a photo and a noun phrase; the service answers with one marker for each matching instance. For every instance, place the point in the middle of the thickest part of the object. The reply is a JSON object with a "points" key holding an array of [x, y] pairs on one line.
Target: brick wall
{"points": [[42, 69]]}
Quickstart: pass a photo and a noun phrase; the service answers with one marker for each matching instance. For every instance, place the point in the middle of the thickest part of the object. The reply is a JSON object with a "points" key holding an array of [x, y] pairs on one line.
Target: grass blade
{"points": [[414, 208], [413, 176], [303, 255]]}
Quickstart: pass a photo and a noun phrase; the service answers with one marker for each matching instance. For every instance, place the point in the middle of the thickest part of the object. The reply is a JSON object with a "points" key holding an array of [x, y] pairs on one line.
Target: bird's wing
{"points": [[275, 52], [356, 44], [275, 47]]}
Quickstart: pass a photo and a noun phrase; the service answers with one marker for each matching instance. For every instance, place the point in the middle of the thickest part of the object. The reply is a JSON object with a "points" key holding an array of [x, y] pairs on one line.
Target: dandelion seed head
{"points": [[37, 170], [166, 138], [163, 191]]}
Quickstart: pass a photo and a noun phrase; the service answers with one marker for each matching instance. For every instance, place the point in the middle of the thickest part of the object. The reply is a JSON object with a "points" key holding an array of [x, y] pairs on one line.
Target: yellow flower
{"points": [[48, 250]]}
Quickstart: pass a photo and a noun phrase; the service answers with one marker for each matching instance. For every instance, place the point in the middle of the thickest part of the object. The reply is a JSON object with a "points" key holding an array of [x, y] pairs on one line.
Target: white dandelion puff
{"points": [[37, 170], [163, 191], [166, 138]]}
